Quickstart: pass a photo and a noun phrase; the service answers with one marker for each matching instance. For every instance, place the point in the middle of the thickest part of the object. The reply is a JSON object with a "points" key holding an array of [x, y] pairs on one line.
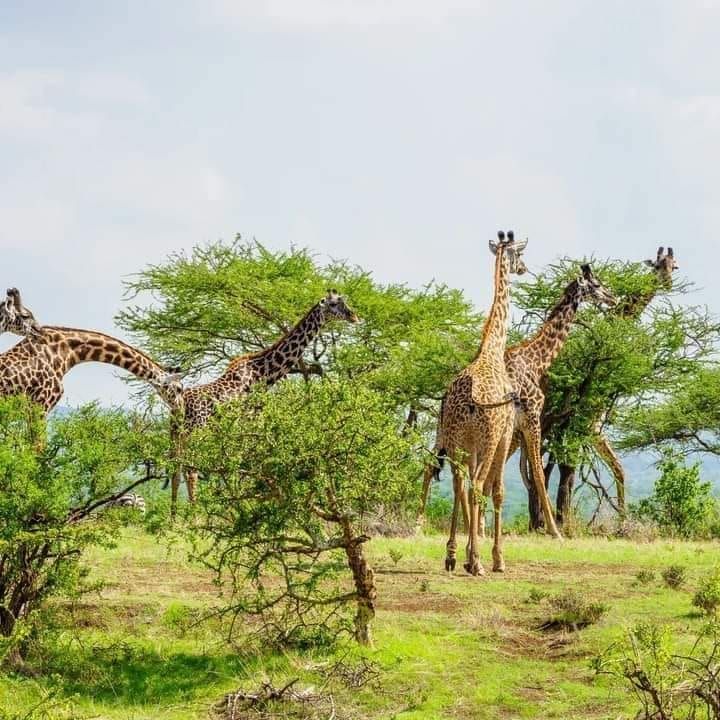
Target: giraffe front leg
{"points": [[498, 494], [477, 483]]}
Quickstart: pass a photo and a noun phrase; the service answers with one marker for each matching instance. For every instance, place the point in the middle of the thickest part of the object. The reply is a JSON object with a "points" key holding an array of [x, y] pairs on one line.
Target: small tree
{"points": [[53, 479], [296, 474], [681, 502]]}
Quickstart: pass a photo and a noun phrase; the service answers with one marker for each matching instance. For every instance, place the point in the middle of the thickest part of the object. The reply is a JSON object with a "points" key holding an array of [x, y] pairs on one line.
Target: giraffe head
{"points": [[664, 265], [513, 251], [170, 388], [15, 317], [333, 306], [593, 290]]}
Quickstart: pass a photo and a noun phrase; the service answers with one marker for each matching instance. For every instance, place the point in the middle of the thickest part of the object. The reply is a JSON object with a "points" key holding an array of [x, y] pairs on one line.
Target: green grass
{"points": [[450, 646]]}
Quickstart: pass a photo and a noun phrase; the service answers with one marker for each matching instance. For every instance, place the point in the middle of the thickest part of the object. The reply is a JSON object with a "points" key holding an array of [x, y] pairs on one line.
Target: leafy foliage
{"points": [[689, 415], [230, 298], [611, 359], [707, 597], [681, 502], [53, 480], [674, 576], [667, 683], [295, 476]]}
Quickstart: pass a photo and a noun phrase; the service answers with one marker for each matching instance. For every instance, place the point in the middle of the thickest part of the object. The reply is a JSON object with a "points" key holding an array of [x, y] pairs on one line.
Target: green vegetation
{"points": [[674, 576], [54, 482], [296, 478], [681, 503], [707, 597], [133, 649]]}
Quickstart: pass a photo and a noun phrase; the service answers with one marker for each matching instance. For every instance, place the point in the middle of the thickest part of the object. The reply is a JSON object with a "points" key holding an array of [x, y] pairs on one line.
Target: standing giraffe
{"points": [[527, 365], [36, 366], [198, 403], [477, 413], [631, 308]]}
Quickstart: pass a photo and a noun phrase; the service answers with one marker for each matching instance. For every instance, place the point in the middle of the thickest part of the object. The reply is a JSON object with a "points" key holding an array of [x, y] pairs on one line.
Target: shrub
{"points": [[674, 576], [571, 611], [681, 504], [395, 555], [284, 518], [53, 480], [645, 577], [707, 597], [438, 512], [668, 685], [537, 595]]}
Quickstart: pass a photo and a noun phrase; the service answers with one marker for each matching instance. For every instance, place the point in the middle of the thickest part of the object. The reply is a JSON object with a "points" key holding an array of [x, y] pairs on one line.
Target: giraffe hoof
{"points": [[499, 568], [475, 568], [450, 564]]}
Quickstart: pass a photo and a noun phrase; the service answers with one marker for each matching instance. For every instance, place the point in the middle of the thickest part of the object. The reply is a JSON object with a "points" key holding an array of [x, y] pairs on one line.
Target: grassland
{"points": [[449, 646]]}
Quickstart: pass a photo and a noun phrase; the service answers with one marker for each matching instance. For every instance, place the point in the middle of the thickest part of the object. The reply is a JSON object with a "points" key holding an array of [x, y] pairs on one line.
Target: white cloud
{"points": [[35, 102], [348, 13]]}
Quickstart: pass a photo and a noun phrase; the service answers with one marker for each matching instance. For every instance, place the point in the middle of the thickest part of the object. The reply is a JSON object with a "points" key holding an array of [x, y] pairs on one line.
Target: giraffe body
{"points": [[198, 403]]}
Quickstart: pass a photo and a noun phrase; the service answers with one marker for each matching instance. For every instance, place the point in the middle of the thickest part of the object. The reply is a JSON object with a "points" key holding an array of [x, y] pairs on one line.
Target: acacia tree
{"points": [[54, 478], [688, 415], [611, 361], [296, 473], [201, 309]]}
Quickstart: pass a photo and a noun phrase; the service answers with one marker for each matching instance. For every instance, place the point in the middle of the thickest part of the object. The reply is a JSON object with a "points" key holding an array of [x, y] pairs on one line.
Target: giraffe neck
{"points": [[546, 345], [70, 347], [494, 335], [635, 305], [275, 362]]}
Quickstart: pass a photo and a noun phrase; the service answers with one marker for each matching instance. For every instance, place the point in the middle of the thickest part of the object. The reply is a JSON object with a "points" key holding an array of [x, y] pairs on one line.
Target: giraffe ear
{"points": [[493, 247], [649, 263]]}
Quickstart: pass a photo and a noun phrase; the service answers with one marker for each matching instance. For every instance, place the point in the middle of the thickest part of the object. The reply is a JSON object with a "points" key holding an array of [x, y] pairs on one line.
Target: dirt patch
{"points": [[427, 603]]}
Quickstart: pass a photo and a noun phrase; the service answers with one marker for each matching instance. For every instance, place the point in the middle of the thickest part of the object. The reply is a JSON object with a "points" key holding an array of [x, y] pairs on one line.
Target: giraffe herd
{"points": [[492, 407]]}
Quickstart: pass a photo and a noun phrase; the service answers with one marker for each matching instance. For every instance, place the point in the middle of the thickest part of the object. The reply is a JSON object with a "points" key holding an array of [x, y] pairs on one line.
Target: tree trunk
{"points": [[566, 487], [364, 579]]}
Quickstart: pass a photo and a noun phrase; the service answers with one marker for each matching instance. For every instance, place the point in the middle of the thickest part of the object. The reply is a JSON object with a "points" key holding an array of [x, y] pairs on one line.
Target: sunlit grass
{"points": [[450, 646]]}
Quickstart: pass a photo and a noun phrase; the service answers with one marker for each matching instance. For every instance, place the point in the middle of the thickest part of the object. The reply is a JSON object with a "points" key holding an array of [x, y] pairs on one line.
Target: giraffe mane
{"points": [[264, 351], [105, 336]]}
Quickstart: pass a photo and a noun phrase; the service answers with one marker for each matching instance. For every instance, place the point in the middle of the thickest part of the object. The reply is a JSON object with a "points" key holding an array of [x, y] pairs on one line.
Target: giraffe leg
{"points": [[487, 490], [497, 473], [477, 485], [533, 441], [191, 482], [451, 546]]}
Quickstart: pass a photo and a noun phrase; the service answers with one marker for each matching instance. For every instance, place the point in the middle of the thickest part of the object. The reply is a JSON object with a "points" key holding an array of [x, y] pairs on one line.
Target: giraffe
{"points": [[527, 364], [631, 308], [477, 413], [198, 403], [37, 365]]}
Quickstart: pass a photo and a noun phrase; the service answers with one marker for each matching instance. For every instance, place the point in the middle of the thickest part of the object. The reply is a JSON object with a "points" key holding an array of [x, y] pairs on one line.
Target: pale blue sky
{"points": [[398, 134]]}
